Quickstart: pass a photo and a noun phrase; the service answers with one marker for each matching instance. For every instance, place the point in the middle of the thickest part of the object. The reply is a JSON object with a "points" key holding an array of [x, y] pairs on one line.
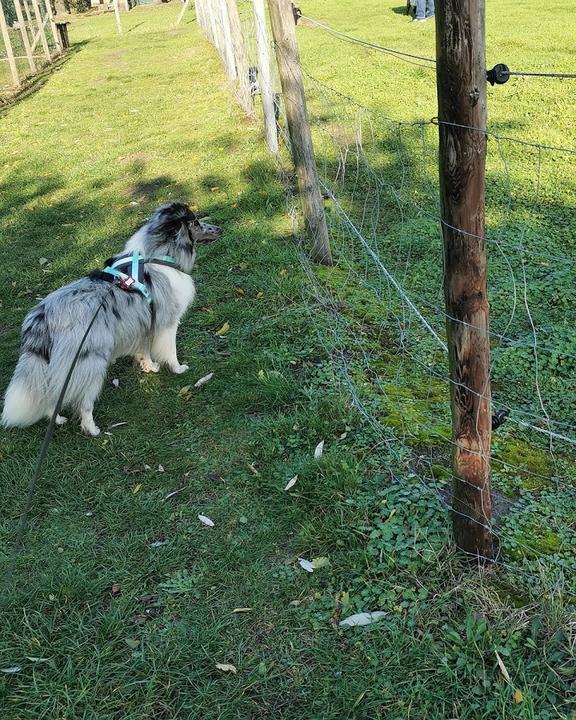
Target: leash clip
{"points": [[127, 282]]}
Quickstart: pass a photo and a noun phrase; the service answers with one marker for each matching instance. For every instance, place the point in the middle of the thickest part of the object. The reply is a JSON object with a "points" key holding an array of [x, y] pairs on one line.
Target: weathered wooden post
{"points": [[265, 76], [239, 50], [55, 33], [182, 12], [8, 46], [24, 34], [117, 16], [287, 57], [461, 79], [41, 32], [225, 44]]}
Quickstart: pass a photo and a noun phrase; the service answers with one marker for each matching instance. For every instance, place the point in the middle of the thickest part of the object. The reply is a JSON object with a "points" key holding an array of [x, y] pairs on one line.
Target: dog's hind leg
{"points": [[164, 349], [145, 362], [88, 379]]}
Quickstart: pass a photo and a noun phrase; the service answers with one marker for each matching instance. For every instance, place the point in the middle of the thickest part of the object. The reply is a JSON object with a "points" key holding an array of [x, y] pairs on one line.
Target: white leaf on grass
{"points": [[11, 670], [37, 659], [505, 673], [116, 382], [160, 468], [147, 467], [205, 520], [174, 492], [227, 668], [158, 543], [242, 610], [306, 565], [365, 618], [203, 380], [43, 261], [319, 450], [291, 482], [115, 425]]}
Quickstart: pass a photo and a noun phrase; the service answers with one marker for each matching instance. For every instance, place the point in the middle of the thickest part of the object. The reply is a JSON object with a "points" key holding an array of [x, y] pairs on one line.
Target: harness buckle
{"points": [[127, 282]]}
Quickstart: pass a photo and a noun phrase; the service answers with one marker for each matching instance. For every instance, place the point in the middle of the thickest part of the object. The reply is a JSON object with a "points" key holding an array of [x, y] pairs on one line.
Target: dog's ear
{"points": [[168, 219]]}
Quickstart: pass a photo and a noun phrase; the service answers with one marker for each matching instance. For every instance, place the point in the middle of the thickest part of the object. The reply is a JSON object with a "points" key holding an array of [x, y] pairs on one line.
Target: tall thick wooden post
{"points": [[461, 79], [287, 57]]}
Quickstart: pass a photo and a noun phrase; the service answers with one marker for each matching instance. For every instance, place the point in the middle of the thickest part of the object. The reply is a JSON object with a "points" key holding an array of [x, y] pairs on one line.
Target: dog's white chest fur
{"points": [[182, 286]]}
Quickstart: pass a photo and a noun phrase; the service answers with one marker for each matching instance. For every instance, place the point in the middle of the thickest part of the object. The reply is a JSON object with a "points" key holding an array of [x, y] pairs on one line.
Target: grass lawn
{"points": [[122, 604]]}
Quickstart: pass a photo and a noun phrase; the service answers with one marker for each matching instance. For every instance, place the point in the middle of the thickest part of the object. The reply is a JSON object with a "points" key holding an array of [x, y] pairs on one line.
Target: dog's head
{"points": [[175, 230], [177, 223]]}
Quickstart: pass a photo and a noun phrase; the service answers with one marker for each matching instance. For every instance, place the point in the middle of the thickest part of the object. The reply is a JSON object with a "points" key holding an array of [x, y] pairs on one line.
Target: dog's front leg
{"points": [[164, 349]]}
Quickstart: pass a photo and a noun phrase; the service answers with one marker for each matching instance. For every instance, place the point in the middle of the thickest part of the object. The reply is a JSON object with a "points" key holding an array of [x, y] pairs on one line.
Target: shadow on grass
{"points": [[32, 84]]}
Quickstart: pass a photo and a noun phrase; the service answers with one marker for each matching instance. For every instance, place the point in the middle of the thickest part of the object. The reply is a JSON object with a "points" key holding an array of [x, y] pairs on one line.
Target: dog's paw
{"points": [[61, 420], [148, 366], [178, 369], [91, 430]]}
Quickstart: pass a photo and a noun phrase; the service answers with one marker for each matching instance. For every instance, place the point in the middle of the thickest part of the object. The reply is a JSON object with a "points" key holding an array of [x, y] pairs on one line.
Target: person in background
{"points": [[424, 10]]}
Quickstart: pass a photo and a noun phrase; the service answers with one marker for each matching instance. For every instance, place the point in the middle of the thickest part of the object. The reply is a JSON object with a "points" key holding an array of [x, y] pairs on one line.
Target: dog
{"points": [[138, 300], [411, 7]]}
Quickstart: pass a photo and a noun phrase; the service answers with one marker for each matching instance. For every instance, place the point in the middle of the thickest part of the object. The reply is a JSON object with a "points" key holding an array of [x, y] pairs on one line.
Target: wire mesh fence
{"points": [[379, 179], [29, 41]]}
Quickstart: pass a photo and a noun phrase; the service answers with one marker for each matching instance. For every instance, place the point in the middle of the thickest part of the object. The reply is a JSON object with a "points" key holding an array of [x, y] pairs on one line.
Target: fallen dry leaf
{"points": [[160, 468], [223, 329], [203, 380], [505, 673], [136, 488], [11, 670], [360, 619], [290, 484], [242, 610], [306, 565], [518, 696], [227, 668], [240, 292], [319, 451], [116, 382], [174, 492], [252, 469], [115, 590], [132, 643], [205, 520], [185, 393]]}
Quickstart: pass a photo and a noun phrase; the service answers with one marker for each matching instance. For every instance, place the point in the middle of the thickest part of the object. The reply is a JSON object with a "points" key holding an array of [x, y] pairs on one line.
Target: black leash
{"points": [[41, 457]]}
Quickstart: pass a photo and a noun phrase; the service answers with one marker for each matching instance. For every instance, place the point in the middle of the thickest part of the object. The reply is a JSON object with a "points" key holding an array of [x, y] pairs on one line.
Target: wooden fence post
{"points": [[117, 16], [182, 12], [8, 46], [461, 80], [284, 32], [265, 76], [225, 44], [244, 97], [40, 29], [24, 34], [53, 27]]}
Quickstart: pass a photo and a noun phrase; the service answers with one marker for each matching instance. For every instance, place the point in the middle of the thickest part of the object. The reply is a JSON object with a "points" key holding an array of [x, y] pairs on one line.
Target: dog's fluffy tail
{"points": [[26, 397]]}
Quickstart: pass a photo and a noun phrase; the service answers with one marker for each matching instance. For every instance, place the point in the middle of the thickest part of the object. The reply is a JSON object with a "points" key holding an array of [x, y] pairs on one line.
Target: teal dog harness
{"points": [[128, 271]]}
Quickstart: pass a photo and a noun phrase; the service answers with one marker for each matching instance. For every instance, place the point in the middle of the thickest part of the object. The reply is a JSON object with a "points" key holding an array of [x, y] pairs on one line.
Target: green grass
{"points": [[122, 602]]}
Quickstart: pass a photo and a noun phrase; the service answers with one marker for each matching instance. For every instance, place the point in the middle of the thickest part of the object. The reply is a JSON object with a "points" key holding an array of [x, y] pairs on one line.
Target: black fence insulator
{"points": [[500, 418], [297, 13], [499, 74]]}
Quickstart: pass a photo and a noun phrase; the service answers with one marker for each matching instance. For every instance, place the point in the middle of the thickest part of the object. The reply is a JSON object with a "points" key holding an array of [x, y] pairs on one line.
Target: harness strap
{"points": [[128, 270]]}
